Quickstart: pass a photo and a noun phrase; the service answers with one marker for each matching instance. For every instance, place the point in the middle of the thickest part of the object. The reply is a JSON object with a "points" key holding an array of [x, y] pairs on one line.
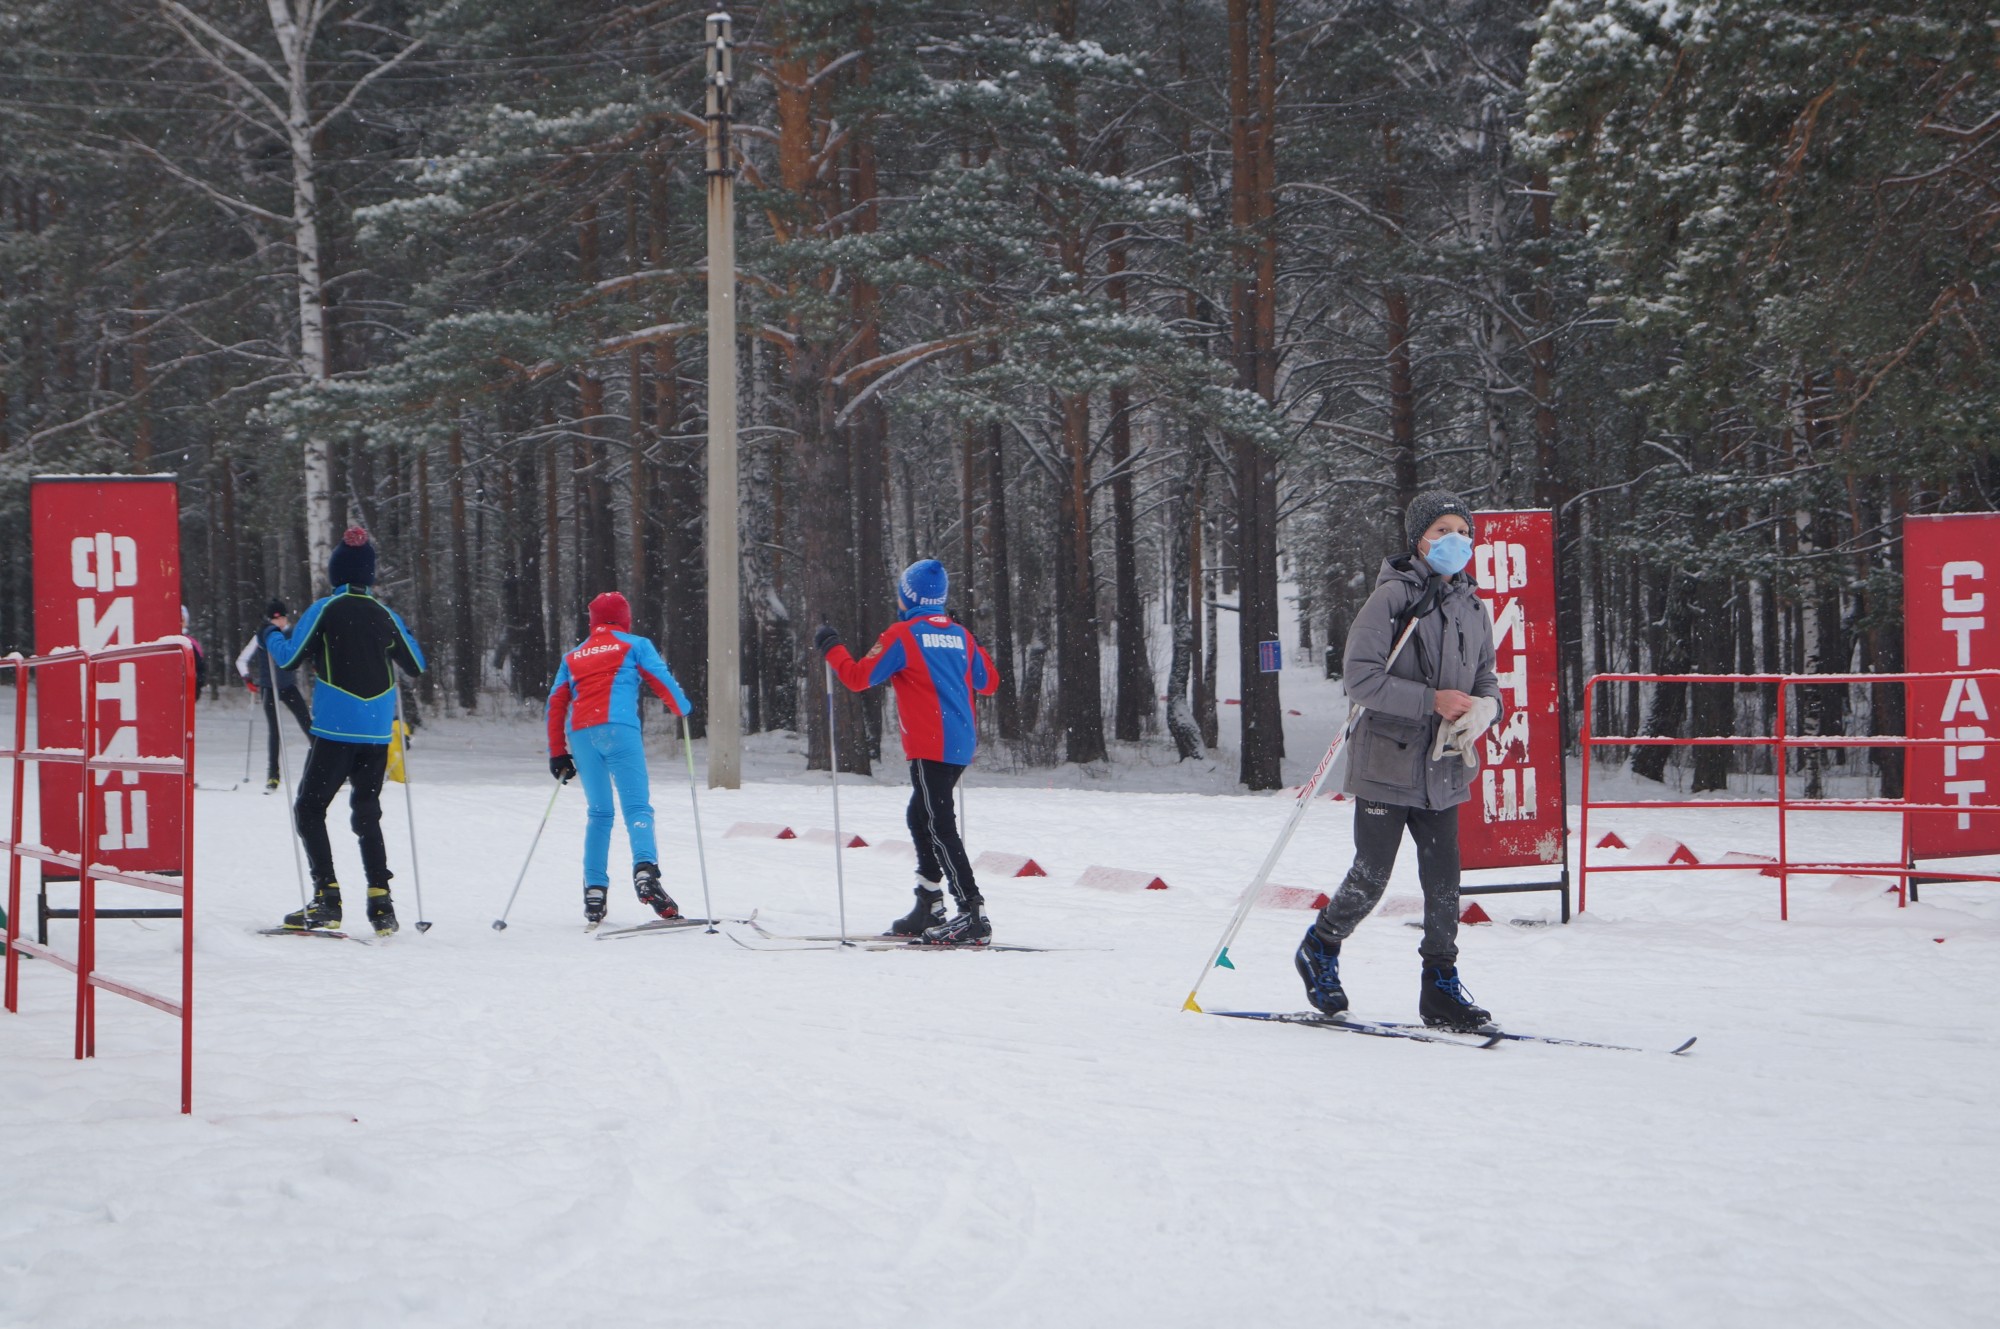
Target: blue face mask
{"points": [[1449, 553]]}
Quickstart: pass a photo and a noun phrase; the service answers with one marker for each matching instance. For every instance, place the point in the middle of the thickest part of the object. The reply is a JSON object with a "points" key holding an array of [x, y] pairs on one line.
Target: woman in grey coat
{"points": [[1412, 752]]}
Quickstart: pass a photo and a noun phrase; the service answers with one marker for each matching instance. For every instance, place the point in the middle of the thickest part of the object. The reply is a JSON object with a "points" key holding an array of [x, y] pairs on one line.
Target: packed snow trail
{"points": [[471, 1128]]}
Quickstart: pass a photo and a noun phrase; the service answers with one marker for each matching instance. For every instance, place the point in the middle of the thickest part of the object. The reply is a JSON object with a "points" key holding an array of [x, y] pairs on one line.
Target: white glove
{"points": [[1460, 738]]}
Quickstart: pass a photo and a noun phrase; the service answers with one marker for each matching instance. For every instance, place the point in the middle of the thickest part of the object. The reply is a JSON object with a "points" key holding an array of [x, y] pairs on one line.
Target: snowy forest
{"points": [[1133, 313]]}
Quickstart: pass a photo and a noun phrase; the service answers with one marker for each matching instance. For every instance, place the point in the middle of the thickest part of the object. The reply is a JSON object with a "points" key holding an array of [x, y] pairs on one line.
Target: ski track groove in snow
{"points": [[539, 1129]]}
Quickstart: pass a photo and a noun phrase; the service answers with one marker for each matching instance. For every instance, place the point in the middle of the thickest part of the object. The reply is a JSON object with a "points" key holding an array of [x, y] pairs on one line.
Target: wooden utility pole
{"points": [[725, 713]]}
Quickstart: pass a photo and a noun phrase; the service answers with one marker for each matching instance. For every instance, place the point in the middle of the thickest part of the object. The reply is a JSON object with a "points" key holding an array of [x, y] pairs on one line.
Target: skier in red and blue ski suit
{"points": [[936, 668], [593, 718]]}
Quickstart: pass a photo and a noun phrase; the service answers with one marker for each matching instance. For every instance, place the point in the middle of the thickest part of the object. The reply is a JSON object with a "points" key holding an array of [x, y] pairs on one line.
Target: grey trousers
{"points": [[1378, 833]]}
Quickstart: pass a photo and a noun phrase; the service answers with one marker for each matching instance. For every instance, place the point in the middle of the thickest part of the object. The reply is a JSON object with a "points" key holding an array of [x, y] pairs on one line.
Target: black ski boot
{"points": [[322, 915], [593, 905], [381, 911], [968, 928], [1445, 1004], [1318, 963], [927, 913], [646, 882], [271, 785]]}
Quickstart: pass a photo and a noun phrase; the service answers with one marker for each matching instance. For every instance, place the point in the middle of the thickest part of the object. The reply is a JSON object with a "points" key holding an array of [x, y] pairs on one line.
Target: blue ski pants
{"points": [[608, 754]]}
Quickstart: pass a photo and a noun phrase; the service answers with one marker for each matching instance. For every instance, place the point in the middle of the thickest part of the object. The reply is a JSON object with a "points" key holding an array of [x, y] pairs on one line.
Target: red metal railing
{"points": [[1781, 744], [181, 765]]}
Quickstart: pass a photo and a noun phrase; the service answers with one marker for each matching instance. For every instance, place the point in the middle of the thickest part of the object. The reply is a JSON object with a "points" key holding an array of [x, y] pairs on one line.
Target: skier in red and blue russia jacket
{"points": [[937, 668], [593, 718]]}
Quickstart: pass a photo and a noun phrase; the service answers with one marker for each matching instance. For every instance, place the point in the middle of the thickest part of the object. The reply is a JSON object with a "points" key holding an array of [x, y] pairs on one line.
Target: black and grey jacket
{"points": [[1389, 753]]}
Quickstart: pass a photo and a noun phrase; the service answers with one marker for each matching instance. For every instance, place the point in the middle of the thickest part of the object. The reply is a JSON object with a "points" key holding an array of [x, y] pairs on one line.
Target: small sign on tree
{"points": [[1270, 657]]}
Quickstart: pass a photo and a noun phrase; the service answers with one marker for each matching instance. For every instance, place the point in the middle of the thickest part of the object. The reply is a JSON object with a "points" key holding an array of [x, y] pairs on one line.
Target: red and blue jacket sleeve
{"points": [[888, 655], [984, 679], [652, 668], [558, 710]]}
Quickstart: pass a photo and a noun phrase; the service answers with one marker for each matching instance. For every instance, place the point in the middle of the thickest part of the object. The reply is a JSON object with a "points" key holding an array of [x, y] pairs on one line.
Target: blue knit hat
{"points": [[353, 561], [923, 585]]}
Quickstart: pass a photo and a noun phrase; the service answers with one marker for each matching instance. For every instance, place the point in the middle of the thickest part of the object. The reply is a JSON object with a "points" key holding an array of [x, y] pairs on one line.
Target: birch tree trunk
{"points": [[294, 43], [284, 101]]}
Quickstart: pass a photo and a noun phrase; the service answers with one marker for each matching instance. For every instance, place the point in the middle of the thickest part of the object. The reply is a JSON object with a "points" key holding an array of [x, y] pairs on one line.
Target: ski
{"points": [[763, 942], [892, 943], [1561, 1042], [328, 933], [657, 925], [889, 941], [1370, 1028]]}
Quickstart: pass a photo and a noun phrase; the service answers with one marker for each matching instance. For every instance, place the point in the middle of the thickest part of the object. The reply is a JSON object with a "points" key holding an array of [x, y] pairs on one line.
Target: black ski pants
{"points": [[1378, 833], [934, 828], [361, 767], [297, 706]]}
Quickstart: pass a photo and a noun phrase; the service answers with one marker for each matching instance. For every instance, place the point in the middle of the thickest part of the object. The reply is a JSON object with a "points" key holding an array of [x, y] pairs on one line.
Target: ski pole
{"points": [[249, 745], [833, 774], [694, 801], [1219, 957], [410, 810], [500, 923], [291, 811]]}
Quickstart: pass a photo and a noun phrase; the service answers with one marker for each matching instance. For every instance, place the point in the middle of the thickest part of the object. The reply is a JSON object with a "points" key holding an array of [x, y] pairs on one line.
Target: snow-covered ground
{"points": [[543, 1128]]}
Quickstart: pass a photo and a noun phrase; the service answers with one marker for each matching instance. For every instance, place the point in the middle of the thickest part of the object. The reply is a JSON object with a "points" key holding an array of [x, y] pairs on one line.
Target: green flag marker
{"points": [[1222, 960]]}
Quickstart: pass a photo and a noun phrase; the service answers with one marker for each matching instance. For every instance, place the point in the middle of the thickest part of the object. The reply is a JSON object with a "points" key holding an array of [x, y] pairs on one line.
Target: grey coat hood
{"points": [[1390, 746]]}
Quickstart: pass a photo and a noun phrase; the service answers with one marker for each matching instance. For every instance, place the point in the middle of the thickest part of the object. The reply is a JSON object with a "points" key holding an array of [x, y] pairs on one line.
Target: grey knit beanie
{"points": [[1427, 507]]}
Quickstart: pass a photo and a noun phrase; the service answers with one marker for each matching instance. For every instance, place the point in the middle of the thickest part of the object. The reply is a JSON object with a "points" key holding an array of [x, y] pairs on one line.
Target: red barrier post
{"points": [[188, 695], [1781, 761], [16, 663], [86, 892], [1583, 817]]}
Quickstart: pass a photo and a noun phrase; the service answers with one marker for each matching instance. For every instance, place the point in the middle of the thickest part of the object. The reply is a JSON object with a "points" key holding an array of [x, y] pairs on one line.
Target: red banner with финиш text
{"points": [[1516, 816], [107, 573]]}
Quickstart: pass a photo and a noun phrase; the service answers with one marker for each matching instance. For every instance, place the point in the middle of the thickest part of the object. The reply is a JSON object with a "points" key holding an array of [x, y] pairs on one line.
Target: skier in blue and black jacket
{"points": [[353, 642]]}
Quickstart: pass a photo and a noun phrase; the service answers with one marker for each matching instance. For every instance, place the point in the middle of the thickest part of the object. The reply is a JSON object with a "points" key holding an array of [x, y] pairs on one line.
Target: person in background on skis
{"points": [[594, 736], [272, 685], [200, 656], [354, 643], [1411, 754], [936, 667]]}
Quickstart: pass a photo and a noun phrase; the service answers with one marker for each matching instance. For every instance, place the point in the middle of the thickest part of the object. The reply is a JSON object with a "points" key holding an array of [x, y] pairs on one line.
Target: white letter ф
{"points": [[103, 562]]}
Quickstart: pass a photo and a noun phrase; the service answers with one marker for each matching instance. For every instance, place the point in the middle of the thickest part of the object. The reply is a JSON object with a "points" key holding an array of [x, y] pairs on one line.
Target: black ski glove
{"points": [[563, 767], [826, 638]]}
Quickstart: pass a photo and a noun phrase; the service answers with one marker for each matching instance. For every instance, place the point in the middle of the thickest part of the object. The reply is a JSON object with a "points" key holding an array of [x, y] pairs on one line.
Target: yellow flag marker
{"points": [[397, 732]]}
